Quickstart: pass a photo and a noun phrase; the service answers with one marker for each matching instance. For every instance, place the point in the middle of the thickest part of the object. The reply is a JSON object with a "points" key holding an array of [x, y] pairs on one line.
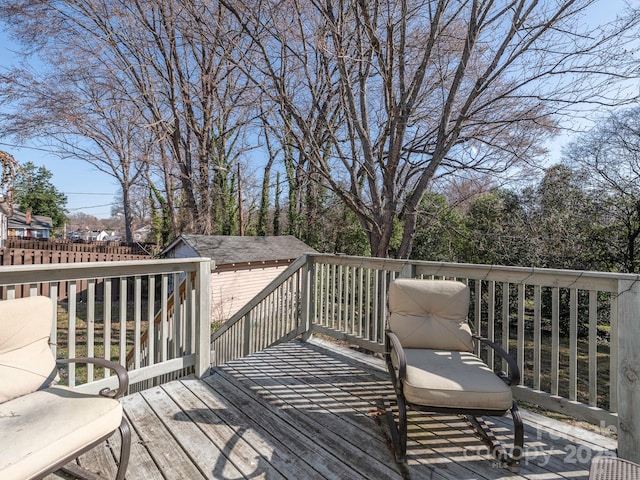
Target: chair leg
{"points": [[401, 455], [398, 429], [125, 448], [511, 459], [518, 438]]}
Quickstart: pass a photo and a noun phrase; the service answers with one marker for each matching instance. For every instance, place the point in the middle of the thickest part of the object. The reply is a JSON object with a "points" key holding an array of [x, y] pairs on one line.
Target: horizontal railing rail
{"points": [[111, 325]]}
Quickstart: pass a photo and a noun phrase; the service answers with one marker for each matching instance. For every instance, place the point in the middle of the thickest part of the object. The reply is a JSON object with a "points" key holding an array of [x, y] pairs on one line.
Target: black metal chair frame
{"points": [[125, 429], [399, 429]]}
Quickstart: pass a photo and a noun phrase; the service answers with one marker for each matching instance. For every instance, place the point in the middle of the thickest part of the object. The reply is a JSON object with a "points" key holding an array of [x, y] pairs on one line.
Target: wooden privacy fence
{"points": [[21, 256], [68, 245]]}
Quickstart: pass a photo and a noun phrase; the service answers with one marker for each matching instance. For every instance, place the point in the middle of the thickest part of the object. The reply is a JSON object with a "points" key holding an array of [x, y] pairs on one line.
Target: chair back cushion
{"points": [[430, 314], [26, 361]]}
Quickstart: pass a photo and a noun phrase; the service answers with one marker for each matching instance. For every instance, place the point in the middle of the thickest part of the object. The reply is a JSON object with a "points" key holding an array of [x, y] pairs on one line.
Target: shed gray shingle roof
{"points": [[225, 249]]}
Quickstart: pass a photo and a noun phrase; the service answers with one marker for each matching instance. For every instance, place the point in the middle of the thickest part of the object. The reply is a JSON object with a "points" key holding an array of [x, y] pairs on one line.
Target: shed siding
{"points": [[232, 289], [182, 250]]}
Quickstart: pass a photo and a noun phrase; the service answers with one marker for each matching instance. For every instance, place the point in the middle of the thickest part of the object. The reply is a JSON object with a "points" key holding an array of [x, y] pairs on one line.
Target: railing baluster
{"points": [[106, 323], [362, 301], [537, 336], [137, 319], [505, 321], [246, 335], [91, 314], [123, 321], [555, 339], [164, 318], [333, 312], [520, 342], [53, 339], [352, 303], [613, 355], [573, 344], [491, 319], [190, 316], [340, 297], [477, 312], [367, 329], [327, 279], [593, 348], [176, 320], [276, 306], [151, 336], [71, 332]]}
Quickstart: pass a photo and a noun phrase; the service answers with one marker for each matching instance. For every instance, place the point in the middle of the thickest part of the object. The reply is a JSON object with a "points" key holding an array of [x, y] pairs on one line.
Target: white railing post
{"points": [[308, 299], [628, 370], [203, 318], [408, 270]]}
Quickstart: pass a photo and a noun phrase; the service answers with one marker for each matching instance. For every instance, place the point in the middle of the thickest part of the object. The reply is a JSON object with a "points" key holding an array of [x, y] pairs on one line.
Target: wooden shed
{"points": [[243, 265]]}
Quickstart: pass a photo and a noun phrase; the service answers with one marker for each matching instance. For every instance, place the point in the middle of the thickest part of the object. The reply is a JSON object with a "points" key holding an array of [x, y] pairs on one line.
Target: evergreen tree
{"points": [[34, 192]]}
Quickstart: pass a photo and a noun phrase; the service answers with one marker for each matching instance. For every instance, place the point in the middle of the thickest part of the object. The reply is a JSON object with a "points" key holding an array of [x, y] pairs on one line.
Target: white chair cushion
{"points": [[430, 314], [26, 361], [452, 379], [39, 429]]}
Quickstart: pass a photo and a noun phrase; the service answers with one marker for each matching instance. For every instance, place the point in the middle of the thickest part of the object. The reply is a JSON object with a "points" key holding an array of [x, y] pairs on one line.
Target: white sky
{"points": [[92, 192]]}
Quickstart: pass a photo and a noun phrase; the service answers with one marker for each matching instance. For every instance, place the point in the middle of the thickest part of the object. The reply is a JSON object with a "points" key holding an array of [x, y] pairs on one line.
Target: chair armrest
{"points": [[514, 371], [394, 342], [120, 371]]}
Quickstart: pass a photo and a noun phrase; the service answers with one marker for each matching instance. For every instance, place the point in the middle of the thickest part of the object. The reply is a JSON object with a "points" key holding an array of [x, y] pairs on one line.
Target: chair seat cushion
{"points": [[39, 429], [442, 378]]}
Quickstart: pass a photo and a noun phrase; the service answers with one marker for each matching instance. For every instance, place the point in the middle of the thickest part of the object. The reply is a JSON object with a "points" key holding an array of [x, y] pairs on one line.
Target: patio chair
{"points": [[429, 355], [44, 426]]}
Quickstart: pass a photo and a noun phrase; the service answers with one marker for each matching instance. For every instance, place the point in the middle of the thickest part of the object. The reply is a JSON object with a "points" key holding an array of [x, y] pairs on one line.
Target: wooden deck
{"points": [[311, 410]]}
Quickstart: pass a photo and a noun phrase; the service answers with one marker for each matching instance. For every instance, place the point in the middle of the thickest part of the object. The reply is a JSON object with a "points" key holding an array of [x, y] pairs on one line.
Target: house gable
{"points": [[24, 224]]}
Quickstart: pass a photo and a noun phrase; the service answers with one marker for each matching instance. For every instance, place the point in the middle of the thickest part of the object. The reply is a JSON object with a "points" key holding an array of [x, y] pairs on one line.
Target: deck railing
{"points": [[574, 334], [111, 325]]}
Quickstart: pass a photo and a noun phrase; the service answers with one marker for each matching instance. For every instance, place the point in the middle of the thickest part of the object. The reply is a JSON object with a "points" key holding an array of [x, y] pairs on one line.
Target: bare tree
{"points": [[384, 97], [9, 167], [609, 154], [171, 61], [94, 123]]}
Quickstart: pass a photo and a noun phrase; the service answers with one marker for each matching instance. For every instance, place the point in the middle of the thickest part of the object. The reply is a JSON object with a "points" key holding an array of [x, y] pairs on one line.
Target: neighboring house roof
{"points": [[226, 249], [37, 222]]}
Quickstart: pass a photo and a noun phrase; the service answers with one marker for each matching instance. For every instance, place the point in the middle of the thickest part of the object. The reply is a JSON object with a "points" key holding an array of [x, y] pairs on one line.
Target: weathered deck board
{"points": [[359, 390], [311, 410]]}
